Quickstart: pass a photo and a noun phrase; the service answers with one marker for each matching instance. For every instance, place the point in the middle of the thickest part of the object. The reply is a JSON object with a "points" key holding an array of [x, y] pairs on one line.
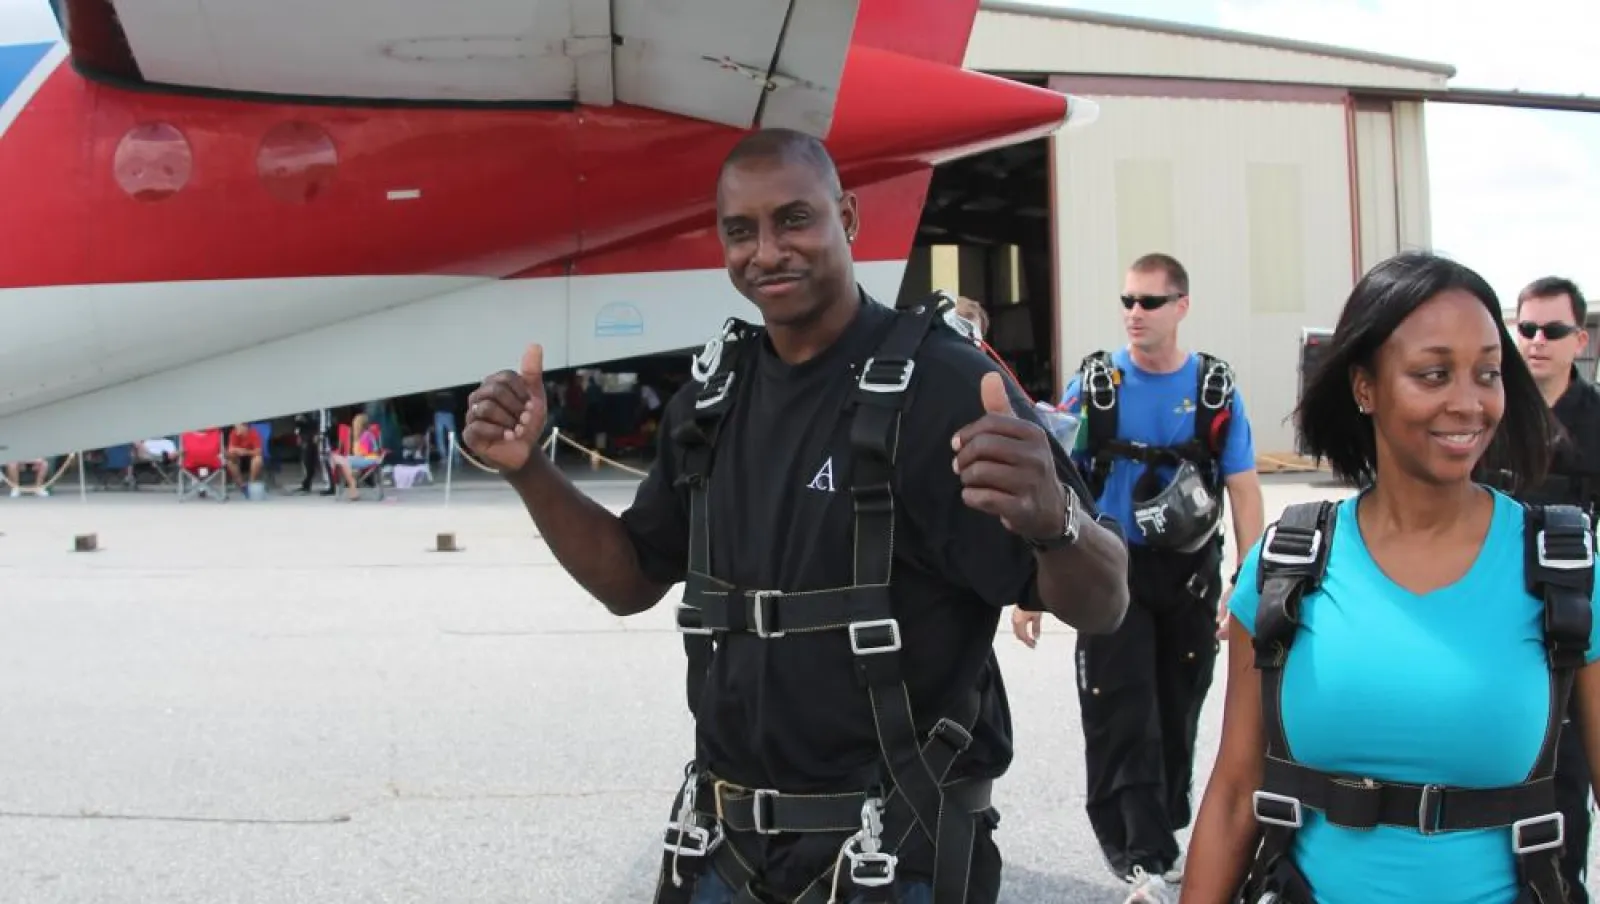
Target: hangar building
{"points": [[1276, 171]]}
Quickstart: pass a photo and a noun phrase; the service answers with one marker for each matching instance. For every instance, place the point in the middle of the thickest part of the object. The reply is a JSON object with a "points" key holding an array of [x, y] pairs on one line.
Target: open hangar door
{"points": [[985, 234]]}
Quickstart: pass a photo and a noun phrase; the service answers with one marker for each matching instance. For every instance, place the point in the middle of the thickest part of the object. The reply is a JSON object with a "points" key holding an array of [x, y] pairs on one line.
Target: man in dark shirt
{"points": [[1550, 334], [986, 511]]}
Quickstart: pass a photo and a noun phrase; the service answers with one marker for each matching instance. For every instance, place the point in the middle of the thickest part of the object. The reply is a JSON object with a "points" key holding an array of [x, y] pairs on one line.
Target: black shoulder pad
{"points": [[1558, 567], [1294, 556]]}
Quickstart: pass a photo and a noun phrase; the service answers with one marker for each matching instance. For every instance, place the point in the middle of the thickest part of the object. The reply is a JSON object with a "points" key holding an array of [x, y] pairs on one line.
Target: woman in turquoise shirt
{"points": [[1420, 658]]}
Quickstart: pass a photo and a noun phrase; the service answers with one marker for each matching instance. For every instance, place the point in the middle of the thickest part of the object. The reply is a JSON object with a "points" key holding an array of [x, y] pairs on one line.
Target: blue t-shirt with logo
{"points": [[1158, 410], [1449, 687]]}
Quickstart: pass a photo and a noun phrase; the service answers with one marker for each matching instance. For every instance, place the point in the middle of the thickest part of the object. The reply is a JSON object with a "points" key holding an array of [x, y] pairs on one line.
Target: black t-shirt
{"points": [[1574, 473], [788, 713]]}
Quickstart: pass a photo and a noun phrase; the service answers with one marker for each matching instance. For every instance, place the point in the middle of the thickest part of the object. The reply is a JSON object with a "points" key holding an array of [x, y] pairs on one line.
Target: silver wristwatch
{"points": [[1069, 526]]}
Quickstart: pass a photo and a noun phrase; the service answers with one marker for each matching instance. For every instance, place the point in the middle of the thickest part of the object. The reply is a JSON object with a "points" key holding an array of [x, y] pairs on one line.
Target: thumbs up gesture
{"points": [[506, 413], [1007, 469]]}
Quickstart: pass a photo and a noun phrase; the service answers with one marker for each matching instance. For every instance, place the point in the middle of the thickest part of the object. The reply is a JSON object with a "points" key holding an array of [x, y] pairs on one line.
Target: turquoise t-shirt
{"points": [[1450, 687]]}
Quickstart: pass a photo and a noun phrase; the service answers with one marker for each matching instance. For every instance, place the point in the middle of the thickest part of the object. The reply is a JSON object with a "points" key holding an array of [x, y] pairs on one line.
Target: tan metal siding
{"points": [[1375, 179], [1253, 198], [1411, 176], [1008, 42]]}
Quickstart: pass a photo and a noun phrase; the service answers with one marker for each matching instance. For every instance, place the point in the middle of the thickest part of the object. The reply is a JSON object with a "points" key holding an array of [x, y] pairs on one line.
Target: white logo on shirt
{"points": [[824, 479]]}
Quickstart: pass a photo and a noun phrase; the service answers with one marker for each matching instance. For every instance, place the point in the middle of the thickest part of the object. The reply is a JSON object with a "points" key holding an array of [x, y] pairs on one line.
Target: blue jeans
{"points": [[711, 889], [444, 424]]}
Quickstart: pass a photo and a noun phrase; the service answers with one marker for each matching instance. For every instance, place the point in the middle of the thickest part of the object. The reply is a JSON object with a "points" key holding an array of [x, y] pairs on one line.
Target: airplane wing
{"points": [[742, 63]]}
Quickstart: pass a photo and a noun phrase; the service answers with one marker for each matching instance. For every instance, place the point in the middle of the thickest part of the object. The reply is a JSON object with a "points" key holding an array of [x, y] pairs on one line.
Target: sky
{"points": [[1515, 193]]}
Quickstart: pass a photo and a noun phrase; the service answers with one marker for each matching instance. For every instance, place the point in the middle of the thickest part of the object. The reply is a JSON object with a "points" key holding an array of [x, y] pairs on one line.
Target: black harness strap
{"points": [[1099, 387], [1558, 568], [879, 400], [1097, 382], [691, 837], [714, 819], [720, 366]]}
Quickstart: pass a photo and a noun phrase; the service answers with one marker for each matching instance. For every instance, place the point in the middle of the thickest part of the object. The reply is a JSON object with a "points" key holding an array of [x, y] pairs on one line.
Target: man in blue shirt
{"points": [[1141, 688]]}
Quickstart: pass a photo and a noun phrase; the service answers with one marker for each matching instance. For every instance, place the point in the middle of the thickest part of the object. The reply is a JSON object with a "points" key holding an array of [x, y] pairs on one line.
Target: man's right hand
{"points": [[506, 414], [1026, 625]]}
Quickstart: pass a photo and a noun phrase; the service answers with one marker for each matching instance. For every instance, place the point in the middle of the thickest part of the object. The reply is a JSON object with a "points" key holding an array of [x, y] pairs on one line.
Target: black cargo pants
{"points": [[1140, 691]]}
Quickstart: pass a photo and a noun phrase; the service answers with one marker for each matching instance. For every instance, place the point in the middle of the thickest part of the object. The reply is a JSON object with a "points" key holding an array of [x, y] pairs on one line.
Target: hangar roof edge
{"points": [[1025, 8]]}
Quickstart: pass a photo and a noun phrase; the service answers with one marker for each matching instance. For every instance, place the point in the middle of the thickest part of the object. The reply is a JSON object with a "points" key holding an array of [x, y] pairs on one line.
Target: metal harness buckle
{"points": [[1563, 564], [898, 384], [1217, 384], [861, 647], [1269, 554], [870, 866], [759, 600], [760, 804], [689, 840], [1294, 821], [684, 837], [1427, 810], [716, 389], [1099, 385], [688, 615], [1521, 847]]}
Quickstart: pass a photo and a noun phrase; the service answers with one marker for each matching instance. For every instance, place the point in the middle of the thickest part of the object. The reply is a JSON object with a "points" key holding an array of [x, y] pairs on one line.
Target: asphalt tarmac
{"points": [[299, 700]]}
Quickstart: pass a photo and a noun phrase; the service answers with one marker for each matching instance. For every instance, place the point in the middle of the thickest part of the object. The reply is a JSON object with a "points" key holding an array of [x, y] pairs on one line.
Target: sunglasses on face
{"points": [[1554, 331], [1148, 302]]}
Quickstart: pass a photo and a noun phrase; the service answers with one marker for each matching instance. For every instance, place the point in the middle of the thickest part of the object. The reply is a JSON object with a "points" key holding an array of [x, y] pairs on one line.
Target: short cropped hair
{"points": [[1177, 277], [1555, 287], [1335, 431], [787, 145]]}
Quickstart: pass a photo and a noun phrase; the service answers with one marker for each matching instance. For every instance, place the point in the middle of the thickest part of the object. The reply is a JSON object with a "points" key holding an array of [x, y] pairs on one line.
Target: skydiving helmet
{"points": [[1182, 516]]}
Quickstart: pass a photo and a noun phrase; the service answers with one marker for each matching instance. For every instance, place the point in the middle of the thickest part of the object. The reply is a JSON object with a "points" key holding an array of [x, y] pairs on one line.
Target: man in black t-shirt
{"points": [[1551, 314], [848, 556]]}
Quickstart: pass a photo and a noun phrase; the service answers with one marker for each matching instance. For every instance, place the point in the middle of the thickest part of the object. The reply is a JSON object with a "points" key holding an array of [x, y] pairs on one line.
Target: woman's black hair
{"points": [[1333, 428]]}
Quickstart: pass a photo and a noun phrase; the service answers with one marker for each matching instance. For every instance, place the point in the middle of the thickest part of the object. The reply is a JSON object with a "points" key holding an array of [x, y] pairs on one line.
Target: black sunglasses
{"points": [[1554, 331], [1148, 302]]}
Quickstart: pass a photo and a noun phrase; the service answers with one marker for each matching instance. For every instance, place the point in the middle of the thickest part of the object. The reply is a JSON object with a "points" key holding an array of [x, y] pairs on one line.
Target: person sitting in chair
{"points": [[366, 450], [244, 448]]}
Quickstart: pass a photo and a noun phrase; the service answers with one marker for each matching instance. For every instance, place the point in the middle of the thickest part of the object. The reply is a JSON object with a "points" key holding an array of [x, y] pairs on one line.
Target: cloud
{"points": [[27, 22]]}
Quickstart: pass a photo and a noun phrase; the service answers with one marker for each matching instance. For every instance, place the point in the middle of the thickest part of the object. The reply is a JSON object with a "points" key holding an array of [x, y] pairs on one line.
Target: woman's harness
{"points": [[1558, 568]]}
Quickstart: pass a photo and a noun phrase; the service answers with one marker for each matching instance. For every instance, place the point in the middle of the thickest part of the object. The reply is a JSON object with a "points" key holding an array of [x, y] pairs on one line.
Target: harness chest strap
{"points": [[916, 798], [1558, 568], [1099, 388]]}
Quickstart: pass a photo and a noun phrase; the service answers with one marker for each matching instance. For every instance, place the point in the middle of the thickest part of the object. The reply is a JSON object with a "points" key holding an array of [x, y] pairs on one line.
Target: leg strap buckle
{"points": [[689, 839], [1538, 833], [1277, 809], [880, 635], [870, 865]]}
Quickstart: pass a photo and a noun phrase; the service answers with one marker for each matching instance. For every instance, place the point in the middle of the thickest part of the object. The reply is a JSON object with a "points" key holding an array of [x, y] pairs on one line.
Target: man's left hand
{"points": [[1007, 469]]}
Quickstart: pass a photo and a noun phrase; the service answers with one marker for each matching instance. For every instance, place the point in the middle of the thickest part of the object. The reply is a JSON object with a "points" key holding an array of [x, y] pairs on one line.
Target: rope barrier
{"points": [[547, 447], [597, 457], [54, 479], [489, 469]]}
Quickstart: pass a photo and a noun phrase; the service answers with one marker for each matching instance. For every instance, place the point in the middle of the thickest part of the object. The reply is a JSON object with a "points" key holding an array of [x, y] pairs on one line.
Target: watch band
{"points": [[1069, 526]]}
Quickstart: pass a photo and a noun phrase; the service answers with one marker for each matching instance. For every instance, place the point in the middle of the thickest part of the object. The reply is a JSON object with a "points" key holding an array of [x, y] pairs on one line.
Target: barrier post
{"points": [[450, 469], [555, 440], [84, 542], [446, 542]]}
